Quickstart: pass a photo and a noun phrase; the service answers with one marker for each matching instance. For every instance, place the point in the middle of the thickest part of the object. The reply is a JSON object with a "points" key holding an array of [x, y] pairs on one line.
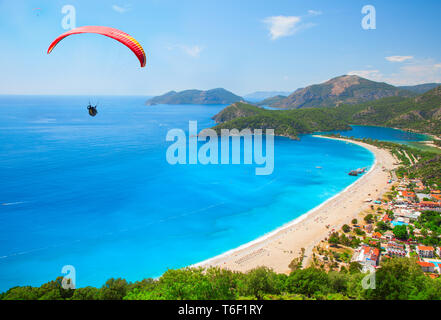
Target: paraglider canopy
{"points": [[113, 33]]}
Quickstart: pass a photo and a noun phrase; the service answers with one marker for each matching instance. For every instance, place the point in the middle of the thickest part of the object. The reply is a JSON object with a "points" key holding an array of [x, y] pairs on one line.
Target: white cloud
{"points": [[399, 58], [416, 72], [371, 74], [192, 51], [282, 26], [120, 9], [314, 12]]}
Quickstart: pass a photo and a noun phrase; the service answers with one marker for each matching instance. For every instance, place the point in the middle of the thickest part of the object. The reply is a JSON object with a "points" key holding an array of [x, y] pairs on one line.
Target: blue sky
{"points": [[243, 46]]}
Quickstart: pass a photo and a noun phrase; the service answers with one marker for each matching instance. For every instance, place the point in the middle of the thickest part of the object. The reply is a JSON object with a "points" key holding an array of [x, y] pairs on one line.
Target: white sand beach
{"points": [[277, 249]]}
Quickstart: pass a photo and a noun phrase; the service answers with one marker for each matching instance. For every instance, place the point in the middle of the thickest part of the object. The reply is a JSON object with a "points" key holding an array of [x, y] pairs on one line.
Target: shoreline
{"points": [[279, 247]]}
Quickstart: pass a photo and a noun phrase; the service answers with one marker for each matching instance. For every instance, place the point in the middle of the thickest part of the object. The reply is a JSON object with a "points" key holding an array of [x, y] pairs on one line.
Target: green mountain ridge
{"points": [[421, 114], [347, 89], [286, 123], [214, 96], [421, 88]]}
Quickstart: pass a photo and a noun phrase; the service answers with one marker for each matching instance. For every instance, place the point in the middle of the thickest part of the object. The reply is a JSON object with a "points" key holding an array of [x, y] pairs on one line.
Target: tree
{"points": [[334, 239], [223, 283], [190, 284], [308, 282], [346, 228], [114, 289], [401, 233], [402, 279], [87, 293], [338, 281], [53, 290], [21, 293], [261, 281], [369, 218], [354, 221], [382, 226], [355, 242], [146, 284], [354, 267]]}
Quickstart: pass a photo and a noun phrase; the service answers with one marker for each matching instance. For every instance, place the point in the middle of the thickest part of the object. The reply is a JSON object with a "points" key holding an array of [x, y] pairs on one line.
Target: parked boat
{"points": [[357, 172]]}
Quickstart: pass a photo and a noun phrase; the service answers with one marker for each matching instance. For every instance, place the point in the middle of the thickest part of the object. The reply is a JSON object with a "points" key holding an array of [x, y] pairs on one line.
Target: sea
{"points": [[97, 193]]}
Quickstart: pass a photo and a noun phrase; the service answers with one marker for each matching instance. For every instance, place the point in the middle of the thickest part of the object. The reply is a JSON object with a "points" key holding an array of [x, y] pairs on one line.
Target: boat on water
{"points": [[362, 170], [355, 173]]}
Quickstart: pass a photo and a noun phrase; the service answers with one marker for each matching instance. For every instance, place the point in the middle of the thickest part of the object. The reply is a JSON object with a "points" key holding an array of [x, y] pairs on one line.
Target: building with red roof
{"points": [[367, 256], [377, 235], [429, 205], [409, 195], [426, 266], [425, 252]]}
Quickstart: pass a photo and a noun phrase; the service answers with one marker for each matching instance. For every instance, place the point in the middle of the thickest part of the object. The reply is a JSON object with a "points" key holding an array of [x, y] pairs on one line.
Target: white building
{"points": [[425, 252]]}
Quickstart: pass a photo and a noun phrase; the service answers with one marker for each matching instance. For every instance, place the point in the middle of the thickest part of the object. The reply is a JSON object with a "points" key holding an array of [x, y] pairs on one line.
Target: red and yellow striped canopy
{"points": [[113, 33]]}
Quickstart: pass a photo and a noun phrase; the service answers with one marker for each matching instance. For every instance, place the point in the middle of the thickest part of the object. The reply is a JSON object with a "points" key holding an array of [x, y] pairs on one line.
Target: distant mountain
{"points": [[341, 90], [262, 95], [421, 88], [272, 101], [214, 96]]}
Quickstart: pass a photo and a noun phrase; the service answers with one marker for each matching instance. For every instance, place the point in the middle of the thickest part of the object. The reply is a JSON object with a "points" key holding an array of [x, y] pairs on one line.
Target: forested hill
{"points": [[287, 123], [214, 96], [421, 88], [421, 113]]}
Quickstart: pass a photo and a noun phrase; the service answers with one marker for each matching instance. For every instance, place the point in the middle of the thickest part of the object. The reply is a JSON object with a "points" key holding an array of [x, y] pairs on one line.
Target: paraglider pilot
{"points": [[92, 110]]}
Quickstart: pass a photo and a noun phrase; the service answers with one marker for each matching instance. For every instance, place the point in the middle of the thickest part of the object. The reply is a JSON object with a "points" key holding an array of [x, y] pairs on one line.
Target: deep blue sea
{"points": [[98, 193]]}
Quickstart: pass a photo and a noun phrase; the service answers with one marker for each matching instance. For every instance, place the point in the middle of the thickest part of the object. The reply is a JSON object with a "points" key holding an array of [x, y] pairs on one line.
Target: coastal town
{"points": [[403, 223], [384, 214]]}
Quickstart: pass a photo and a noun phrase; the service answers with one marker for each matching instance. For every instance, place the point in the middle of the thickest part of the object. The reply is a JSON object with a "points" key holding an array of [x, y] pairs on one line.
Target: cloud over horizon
{"points": [[417, 72], [193, 51], [120, 9], [365, 73], [281, 26], [398, 58], [315, 13], [284, 26]]}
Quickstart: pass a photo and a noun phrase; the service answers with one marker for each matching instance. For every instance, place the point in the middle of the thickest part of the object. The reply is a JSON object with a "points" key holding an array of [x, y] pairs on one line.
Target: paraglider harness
{"points": [[92, 110]]}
